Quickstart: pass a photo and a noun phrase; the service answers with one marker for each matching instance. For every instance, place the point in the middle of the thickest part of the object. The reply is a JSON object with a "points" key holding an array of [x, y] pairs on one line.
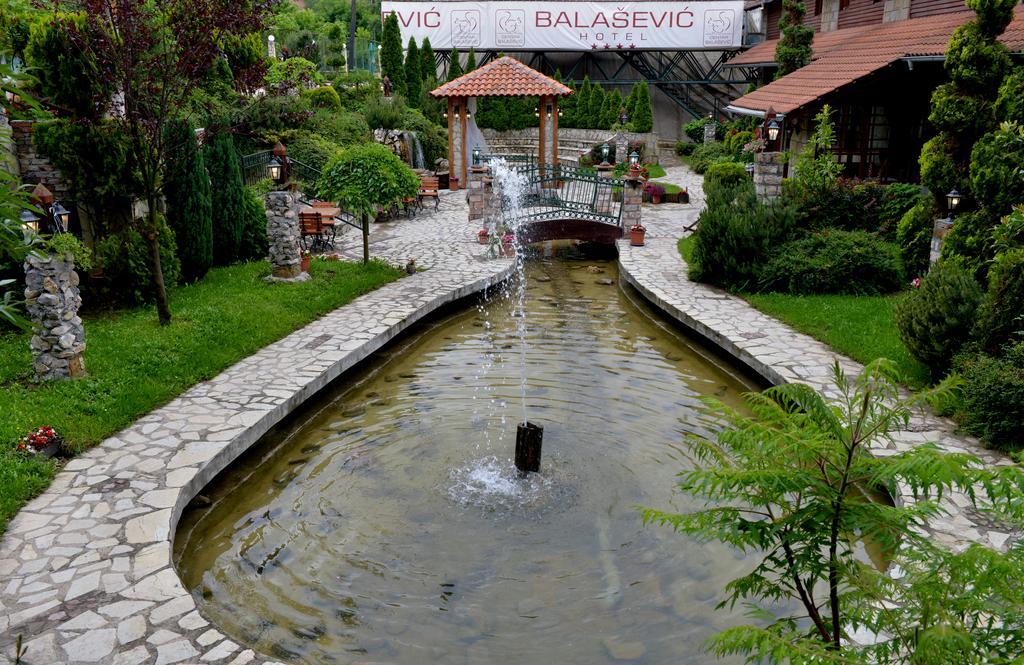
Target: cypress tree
{"points": [[583, 105], [595, 107], [187, 192], [428, 65], [391, 54], [454, 67], [568, 106], [471, 61], [413, 79], [631, 102], [793, 49], [612, 104], [227, 197], [643, 116]]}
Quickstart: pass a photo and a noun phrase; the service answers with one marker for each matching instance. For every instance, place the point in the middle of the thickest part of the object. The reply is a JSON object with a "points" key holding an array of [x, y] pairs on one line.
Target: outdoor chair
{"points": [[311, 225], [428, 190]]}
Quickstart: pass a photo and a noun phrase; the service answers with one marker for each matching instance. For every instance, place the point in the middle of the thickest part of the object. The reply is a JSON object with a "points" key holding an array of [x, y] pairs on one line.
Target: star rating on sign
{"points": [[618, 46], [593, 46], [632, 46], [607, 45]]}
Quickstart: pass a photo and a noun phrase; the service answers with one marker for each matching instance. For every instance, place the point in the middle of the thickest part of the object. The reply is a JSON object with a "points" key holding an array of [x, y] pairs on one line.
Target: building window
{"points": [[843, 4], [817, 7]]}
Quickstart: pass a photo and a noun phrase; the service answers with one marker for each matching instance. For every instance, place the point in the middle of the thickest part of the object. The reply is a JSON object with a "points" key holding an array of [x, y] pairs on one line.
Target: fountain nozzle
{"points": [[528, 443]]}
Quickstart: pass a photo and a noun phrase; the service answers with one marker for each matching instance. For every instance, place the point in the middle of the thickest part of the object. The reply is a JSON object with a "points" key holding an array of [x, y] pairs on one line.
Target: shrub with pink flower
{"points": [[38, 439]]}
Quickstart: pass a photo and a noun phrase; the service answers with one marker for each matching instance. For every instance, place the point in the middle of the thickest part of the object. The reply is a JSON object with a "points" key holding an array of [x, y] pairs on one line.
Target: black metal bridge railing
{"points": [[560, 192]]}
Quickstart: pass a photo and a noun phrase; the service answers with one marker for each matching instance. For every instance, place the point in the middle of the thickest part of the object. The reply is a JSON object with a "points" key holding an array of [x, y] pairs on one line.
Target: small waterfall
{"points": [[413, 150]]}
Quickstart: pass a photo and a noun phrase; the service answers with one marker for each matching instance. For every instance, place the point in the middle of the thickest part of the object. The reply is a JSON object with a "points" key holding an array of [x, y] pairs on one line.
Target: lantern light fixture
{"points": [[605, 153], [29, 220], [953, 200], [276, 170], [634, 160], [61, 217], [476, 155], [773, 130]]}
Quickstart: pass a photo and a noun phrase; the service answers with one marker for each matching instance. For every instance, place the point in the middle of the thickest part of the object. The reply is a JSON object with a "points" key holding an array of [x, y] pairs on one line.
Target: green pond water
{"points": [[386, 524]]}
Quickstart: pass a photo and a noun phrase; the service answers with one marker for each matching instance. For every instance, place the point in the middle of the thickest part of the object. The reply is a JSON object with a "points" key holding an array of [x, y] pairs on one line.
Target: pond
{"points": [[385, 523]]}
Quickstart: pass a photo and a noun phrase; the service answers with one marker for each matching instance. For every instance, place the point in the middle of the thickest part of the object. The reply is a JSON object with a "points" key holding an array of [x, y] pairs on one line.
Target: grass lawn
{"points": [[860, 327], [669, 187], [655, 171], [135, 365]]}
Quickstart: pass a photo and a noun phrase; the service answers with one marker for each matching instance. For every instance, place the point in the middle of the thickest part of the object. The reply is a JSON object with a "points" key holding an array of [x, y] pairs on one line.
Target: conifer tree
{"points": [[643, 115], [583, 104], [612, 104], [454, 67], [187, 193], [631, 102], [471, 61], [413, 78], [391, 54], [568, 106], [793, 49], [428, 65], [595, 107], [227, 197]]}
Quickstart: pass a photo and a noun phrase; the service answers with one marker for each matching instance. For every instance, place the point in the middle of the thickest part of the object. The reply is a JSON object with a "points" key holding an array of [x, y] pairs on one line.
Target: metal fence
{"points": [[255, 166], [569, 192]]}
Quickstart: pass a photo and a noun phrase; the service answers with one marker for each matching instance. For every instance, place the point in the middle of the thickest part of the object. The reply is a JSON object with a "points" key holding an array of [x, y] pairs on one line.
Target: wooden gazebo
{"points": [[504, 77]]}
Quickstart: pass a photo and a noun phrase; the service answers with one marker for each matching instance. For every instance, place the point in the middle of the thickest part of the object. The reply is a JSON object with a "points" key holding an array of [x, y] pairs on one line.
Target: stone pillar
{"points": [[548, 149], [709, 132], [940, 228], [895, 10], [603, 201], [830, 15], [52, 299], [621, 148], [456, 138], [283, 233], [477, 193], [768, 175], [632, 198]]}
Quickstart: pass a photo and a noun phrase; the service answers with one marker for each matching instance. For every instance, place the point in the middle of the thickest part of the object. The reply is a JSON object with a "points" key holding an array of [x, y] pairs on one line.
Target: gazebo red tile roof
{"points": [[844, 56], [504, 77]]}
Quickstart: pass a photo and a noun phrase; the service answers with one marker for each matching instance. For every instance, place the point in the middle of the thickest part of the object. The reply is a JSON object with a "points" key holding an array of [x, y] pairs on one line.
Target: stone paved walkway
{"points": [[777, 352], [85, 569]]}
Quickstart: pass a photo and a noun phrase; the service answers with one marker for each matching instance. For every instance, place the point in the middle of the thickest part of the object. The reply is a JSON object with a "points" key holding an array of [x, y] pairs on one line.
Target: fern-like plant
{"points": [[789, 482]]}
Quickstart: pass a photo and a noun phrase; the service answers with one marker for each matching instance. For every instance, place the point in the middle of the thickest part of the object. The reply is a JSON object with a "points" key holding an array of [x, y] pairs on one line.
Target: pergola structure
{"points": [[504, 77]]}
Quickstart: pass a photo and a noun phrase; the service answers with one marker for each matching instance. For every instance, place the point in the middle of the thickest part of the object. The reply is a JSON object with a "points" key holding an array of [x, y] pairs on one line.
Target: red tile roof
{"points": [[844, 56], [504, 77], [764, 53]]}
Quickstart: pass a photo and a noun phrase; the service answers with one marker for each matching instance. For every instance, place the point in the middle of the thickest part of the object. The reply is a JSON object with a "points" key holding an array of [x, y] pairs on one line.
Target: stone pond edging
{"points": [[85, 569], [779, 354]]}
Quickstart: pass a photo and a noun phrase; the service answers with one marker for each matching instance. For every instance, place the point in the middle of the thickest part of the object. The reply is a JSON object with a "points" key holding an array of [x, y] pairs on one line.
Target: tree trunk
{"points": [[163, 307], [366, 238]]}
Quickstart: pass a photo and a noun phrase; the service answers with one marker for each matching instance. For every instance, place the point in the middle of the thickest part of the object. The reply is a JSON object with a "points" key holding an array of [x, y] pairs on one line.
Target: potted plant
{"points": [[654, 191], [508, 246], [43, 441], [636, 235], [483, 236], [304, 259], [684, 196]]}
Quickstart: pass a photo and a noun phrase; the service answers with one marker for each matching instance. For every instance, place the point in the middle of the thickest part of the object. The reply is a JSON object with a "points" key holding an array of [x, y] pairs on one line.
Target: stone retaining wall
{"points": [[34, 167]]}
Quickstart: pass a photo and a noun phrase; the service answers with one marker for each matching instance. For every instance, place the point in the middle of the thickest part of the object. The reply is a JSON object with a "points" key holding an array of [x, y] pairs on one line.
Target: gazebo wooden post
{"points": [[457, 110], [548, 143]]}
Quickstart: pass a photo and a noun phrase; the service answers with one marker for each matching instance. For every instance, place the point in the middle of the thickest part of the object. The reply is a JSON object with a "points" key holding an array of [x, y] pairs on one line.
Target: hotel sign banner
{"points": [[571, 26]]}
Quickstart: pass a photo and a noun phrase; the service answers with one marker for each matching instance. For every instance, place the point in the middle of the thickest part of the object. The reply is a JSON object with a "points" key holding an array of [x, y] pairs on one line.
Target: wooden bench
{"points": [[429, 189]]}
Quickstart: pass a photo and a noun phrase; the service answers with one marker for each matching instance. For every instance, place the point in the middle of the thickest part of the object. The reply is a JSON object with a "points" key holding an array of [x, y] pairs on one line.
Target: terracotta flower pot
{"points": [[304, 263], [655, 199], [483, 237], [636, 236]]}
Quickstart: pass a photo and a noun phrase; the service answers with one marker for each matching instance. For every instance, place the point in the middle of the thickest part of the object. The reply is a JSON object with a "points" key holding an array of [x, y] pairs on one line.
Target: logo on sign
{"points": [[465, 27], [718, 27], [510, 27]]}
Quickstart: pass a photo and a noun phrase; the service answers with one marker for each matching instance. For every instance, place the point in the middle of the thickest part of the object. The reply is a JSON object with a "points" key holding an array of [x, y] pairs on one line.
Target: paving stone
{"points": [[93, 646]]}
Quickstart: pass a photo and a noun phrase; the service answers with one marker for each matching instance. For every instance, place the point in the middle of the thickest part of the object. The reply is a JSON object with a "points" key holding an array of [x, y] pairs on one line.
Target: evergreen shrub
{"points": [[936, 319], [724, 176], [189, 204], [124, 259], [1001, 318], [834, 261], [324, 97], [226, 196], [993, 397], [914, 235], [255, 244]]}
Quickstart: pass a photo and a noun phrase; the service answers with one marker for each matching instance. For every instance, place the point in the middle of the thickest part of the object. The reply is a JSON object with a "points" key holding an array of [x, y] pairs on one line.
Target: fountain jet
{"points": [[528, 442]]}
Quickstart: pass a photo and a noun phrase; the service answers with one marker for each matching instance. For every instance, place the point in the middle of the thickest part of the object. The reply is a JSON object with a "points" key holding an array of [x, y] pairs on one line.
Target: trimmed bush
{"points": [[189, 206], [643, 115], [706, 154], [939, 173], [1001, 318], [993, 406], [695, 129], [684, 148], [413, 75], [914, 235], [226, 195], [65, 74], [1010, 102], [724, 176], [343, 129], [899, 198], [324, 97], [834, 261], [735, 235], [255, 244], [970, 240], [309, 148], [935, 320], [124, 259], [997, 178]]}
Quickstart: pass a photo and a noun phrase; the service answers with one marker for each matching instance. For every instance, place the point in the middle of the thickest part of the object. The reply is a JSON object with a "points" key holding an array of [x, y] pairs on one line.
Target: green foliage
{"points": [[914, 235], [255, 244], [695, 129], [706, 154], [65, 76], [324, 97], [569, 107], [898, 199], [189, 206], [413, 75], [309, 148], [735, 140], [1001, 318], [595, 108], [997, 176], [722, 177], [956, 112], [60, 244], [271, 115], [816, 167], [454, 66], [793, 49], [834, 261], [852, 205], [226, 195], [433, 138], [246, 57], [1010, 100], [735, 235], [470, 61], [780, 483], [976, 63], [581, 119], [643, 115], [939, 173], [343, 128], [383, 113], [125, 261], [612, 105], [391, 64], [292, 75], [366, 178], [970, 240], [935, 320], [428, 65], [993, 397], [684, 148], [992, 15]]}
